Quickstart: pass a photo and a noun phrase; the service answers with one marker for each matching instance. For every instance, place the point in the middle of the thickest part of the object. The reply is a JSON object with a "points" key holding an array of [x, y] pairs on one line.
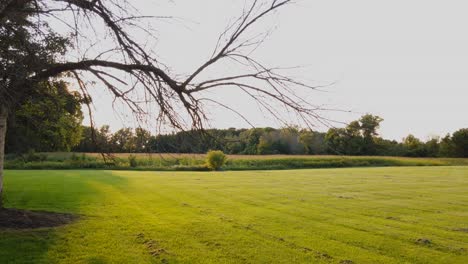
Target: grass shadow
{"points": [[25, 219], [62, 194]]}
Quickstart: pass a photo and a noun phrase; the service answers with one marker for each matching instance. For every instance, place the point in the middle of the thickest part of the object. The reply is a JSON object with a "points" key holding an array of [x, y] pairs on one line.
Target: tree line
{"points": [[52, 121], [359, 138]]}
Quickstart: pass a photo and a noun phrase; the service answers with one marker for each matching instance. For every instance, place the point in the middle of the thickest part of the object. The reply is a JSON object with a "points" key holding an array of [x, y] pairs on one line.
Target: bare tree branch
{"points": [[155, 82]]}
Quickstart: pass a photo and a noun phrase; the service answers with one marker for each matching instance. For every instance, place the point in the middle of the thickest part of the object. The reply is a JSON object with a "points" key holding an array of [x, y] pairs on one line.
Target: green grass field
{"points": [[365, 215]]}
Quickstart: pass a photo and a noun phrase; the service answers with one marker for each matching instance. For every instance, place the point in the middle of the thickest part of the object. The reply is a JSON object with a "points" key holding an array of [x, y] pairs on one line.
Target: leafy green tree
{"points": [[414, 147], [358, 138], [267, 145], [446, 148], [95, 140], [290, 138], [233, 142], [47, 120], [251, 138], [24, 50], [142, 140], [314, 142], [460, 143], [369, 125], [432, 147], [123, 140], [86, 142], [272, 142], [164, 144], [344, 141], [337, 141], [385, 147], [353, 129]]}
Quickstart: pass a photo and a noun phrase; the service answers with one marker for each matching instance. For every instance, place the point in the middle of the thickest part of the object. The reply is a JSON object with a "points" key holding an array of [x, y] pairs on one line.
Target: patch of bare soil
{"points": [[423, 241], [153, 247], [24, 219]]}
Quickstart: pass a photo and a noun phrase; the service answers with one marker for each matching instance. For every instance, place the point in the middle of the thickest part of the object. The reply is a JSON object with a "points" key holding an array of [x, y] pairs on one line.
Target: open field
{"points": [[196, 162], [359, 215]]}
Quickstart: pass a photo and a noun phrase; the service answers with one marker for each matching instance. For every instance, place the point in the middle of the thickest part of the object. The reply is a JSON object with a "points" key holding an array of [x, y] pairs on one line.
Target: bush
{"points": [[215, 159], [32, 156], [132, 160]]}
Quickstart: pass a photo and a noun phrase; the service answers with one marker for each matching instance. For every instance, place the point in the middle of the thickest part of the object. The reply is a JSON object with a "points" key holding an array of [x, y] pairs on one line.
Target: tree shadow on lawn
{"points": [[38, 203], [24, 219], [27, 246]]}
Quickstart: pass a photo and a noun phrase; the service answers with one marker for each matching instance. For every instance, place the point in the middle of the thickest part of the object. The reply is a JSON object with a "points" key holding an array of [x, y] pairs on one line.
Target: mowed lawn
{"points": [[366, 215]]}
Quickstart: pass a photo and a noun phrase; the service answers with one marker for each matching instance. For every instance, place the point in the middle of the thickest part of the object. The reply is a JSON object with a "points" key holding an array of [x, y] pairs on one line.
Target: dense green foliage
{"points": [[47, 120], [359, 138], [215, 159], [460, 143], [181, 162], [378, 215], [51, 122], [132, 161], [26, 47]]}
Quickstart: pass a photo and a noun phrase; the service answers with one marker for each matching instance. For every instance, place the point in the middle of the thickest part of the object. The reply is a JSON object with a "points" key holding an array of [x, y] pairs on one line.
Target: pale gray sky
{"points": [[406, 61]]}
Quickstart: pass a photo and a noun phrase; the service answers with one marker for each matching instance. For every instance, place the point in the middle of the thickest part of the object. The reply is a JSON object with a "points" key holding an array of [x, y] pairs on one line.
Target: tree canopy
{"points": [[47, 120], [350, 140]]}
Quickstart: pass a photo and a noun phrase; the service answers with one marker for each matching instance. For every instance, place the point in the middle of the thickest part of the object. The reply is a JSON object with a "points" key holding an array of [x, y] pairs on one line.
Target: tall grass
{"points": [[196, 162]]}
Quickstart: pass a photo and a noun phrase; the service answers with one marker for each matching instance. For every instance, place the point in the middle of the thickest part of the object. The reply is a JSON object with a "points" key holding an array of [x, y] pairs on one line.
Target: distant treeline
{"points": [[50, 120], [360, 137]]}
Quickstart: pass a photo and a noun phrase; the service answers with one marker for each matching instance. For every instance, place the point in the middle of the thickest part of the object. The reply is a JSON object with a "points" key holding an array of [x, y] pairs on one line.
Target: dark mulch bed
{"points": [[23, 219]]}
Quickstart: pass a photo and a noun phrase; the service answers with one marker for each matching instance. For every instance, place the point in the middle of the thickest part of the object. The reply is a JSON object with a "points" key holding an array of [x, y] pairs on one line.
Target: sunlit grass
{"points": [[370, 215]]}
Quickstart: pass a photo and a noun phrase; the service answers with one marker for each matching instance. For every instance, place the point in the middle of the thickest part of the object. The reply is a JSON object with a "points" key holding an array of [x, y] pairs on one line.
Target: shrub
{"points": [[74, 157], [215, 159], [32, 156], [132, 159], [190, 168]]}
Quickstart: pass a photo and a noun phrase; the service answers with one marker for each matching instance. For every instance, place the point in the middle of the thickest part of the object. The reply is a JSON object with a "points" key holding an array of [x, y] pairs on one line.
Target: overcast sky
{"points": [[406, 61]]}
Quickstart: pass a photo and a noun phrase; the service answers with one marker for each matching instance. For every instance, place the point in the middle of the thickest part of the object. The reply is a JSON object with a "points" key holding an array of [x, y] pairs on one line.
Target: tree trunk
{"points": [[3, 128]]}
